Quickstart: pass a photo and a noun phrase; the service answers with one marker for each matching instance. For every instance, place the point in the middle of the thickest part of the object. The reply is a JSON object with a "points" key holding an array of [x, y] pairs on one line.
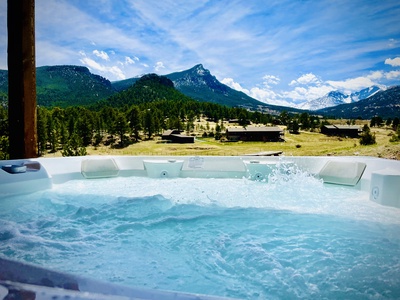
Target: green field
{"points": [[303, 144]]}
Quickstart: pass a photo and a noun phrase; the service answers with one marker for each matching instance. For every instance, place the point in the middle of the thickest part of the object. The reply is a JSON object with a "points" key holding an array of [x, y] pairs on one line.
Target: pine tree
{"points": [[121, 127], [74, 146], [134, 119], [42, 115], [367, 138], [149, 123]]}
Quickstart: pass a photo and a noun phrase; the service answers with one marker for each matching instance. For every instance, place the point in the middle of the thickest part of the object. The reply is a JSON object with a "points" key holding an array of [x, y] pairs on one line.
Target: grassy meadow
{"points": [[304, 144]]}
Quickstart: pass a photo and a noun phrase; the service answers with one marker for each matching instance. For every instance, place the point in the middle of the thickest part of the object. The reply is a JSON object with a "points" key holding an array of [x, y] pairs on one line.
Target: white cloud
{"points": [[264, 94], [101, 54], [117, 72], [270, 79], [305, 79], [129, 60], [302, 94], [93, 65], [352, 84], [395, 62], [309, 87], [159, 65], [376, 75], [234, 85], [392, 75]]}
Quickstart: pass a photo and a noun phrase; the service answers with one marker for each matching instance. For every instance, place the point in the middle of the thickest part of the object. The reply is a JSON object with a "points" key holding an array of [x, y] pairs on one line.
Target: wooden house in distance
{"points": [[342, 130], [262, 134], [174, 136]]}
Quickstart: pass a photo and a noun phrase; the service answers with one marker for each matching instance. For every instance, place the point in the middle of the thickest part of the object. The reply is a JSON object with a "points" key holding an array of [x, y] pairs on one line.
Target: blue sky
{"points": [[278, 51]]}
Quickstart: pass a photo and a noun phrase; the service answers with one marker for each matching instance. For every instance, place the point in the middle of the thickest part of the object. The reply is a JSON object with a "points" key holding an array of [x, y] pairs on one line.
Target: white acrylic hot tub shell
{"points": [[59, 170], [381, 178]]}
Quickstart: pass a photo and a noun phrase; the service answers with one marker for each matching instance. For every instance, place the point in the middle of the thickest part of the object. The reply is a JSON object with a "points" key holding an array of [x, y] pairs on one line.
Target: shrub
{"points": [[74, 147], [395, 136], [367, 138]]}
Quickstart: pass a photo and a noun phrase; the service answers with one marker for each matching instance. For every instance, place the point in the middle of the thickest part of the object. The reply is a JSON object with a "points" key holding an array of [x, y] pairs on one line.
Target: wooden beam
{"points": [[21, 78]]}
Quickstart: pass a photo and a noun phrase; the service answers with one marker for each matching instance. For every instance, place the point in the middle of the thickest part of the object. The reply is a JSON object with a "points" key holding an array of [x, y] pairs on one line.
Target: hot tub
{"points": [[202, 227]]}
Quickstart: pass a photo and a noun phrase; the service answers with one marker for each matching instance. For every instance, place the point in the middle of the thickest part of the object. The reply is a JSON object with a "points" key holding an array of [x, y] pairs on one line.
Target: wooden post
{"points": [[21, 78]]}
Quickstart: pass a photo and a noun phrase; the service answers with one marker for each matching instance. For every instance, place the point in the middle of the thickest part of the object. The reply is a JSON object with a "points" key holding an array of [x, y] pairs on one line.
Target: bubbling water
{"points": [[290, 236]]}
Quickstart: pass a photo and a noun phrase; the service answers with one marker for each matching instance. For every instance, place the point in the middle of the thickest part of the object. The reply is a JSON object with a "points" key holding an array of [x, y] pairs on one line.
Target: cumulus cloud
{"points": [[234, 85], [264, 94], [267, 95], [117, 72], [395, 62], [358, 83], [93, 65], [305, 79], [159, 65], [309, 87], [376, 75], [270, 79], [351, 84], [301, 94], [101, 54], [392, 75]]}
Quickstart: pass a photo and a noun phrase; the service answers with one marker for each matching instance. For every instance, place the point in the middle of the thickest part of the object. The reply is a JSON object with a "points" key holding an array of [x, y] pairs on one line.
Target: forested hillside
{"points": [[199, 84], [148, 88], [141, 112], [150, 106], [64, 86], [121, 85]]}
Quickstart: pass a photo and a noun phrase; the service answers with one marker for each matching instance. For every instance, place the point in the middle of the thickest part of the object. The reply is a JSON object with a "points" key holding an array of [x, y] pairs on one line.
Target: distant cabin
{"points": [[174, 136], [247, 122], [342, 130], [263, 134]]}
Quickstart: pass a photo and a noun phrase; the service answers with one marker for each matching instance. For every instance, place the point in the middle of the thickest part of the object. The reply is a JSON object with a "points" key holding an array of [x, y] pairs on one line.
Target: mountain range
{"points": [[384, 103], [76, 85], [335, 98], [199, 84]]}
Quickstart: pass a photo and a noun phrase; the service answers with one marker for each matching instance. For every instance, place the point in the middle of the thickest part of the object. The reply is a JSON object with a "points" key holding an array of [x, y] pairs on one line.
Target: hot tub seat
{"points": [[99, 168], [342, 172]]}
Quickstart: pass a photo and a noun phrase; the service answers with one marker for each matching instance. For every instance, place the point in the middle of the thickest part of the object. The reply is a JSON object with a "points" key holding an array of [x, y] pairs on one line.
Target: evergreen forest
{"points": [[142, 112]]}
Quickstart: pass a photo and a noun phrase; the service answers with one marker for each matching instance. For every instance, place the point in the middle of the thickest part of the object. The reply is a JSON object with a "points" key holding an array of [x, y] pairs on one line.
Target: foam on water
{"points": [[290, 237]]}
